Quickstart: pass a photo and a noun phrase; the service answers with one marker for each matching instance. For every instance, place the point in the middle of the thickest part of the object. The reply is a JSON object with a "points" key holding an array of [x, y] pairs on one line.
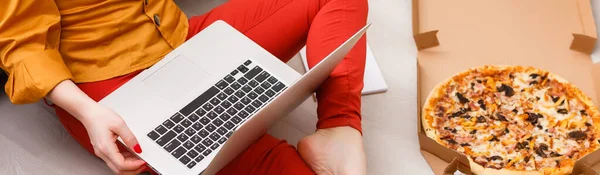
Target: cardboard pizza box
{"points": [[453, 36]]}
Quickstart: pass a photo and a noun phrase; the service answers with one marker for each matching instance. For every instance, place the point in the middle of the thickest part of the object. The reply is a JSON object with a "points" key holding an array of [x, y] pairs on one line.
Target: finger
{"points": [[117, 159], [123, 131]]}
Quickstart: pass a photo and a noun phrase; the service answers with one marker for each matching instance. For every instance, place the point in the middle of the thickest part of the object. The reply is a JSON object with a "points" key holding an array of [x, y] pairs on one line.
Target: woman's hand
{"points": [[103, 126]]}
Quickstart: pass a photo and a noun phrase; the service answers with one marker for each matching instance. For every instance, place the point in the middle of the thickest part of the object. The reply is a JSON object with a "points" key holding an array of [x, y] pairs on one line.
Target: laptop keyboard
{"points": [[208, 121]]}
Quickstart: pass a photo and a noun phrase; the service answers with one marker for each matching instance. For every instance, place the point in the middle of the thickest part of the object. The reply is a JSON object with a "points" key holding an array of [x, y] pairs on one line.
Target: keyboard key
{"points": [[229, 134], [252, 95], [240, 94], [232, 111], [186, 123], [188, 145], [243, 114], [217, 122], [259, 90], [225, 116], [222, 140], [197, 126], [191, 164], [153, 135], [234, 72], [250, 109], [256, 103], [207, 106], [255, 71], [207, 152], [235, 86], [214, 146], [242, 80], [178, 129], [236, 120], [246, 100], [272, 80], [172, 145], [200, 148], [222, 96], [194, 118], [207, 142], [239, 106], [247, 62], [262, 76], [212, 115], [229, 79], [222, 84], [229, 125], [199, 158], [215, 136], [210, 128], [233, 99], [203, 133], [192, 154], [161, 129], [182, 137], [265, 85], [204, 120], [200, 112], [196, 139], [270, 93], [207, 95], [222, 131], [215, 101], [253, 83], [226, 104], [177, 117], [278, 86], [247, 88], [178, 152], [219, 110], [184, 160], [228, 91], [190, 132], [242, 69], [263, 98]]}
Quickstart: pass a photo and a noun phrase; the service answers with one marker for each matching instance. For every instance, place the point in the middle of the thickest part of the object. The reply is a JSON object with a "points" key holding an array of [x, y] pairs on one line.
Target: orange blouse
{"points": [[45, 42]]}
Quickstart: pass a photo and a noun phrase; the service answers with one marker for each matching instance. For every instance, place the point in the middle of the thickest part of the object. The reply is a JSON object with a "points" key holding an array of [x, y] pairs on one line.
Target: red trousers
{"points": [[282, 27]]}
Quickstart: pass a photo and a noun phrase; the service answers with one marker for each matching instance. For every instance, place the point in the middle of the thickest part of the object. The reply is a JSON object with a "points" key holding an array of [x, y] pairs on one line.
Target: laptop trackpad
{"points": [[176, 78]]}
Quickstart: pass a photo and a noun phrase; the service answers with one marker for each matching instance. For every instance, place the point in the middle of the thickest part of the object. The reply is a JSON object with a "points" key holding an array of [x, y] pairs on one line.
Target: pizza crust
{"points": [[478, 169]]}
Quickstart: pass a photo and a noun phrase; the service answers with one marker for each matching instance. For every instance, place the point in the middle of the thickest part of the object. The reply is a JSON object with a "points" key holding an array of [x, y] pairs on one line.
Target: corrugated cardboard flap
{"points": [[586, 41], [426, 40]]}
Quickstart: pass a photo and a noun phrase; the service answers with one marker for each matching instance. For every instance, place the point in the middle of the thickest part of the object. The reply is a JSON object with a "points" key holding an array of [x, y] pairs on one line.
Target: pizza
{"points": [[513, 120]]}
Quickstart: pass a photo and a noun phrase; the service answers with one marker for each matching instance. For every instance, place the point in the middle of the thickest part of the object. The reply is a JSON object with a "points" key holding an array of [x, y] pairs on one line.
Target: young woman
{"points": [[77, 52]]}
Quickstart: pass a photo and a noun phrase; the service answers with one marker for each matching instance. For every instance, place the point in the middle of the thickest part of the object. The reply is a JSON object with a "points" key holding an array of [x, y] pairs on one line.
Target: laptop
{"points": [[211, 98]]}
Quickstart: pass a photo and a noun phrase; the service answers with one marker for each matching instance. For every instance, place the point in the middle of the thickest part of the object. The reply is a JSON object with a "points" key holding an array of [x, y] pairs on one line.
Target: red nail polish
{"points": [[137, 148]]}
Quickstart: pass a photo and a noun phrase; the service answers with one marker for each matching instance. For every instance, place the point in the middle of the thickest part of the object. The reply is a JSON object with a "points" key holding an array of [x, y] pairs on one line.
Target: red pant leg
{"points": [[283, 26]]}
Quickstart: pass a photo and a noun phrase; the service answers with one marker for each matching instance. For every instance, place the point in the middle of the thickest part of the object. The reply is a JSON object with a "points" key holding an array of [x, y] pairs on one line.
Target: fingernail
{"points": [[137, 148]]}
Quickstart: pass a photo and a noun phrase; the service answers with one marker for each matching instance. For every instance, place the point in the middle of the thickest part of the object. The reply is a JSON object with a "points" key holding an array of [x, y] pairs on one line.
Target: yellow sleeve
{"points": [[29, 41]]}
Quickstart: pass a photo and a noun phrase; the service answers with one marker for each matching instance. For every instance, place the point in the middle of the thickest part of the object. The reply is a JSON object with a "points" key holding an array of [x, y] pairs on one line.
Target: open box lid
{"points": [[453, 36]]}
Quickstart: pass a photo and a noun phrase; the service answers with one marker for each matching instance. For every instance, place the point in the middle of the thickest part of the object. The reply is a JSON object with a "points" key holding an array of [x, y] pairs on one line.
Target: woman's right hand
{"points": [[103, 125]]}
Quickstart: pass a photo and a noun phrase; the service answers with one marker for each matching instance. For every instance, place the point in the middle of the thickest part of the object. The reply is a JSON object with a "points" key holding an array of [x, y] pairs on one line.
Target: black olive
{"points": [[465, 144], [472, 85], [547, 131], [515, 111], [473, 132], [511, 76], [534, 75], [451, 141], [496, 158], [577, 135], [479, 81], [481, 104], [540, 150], [533, 82], [494, 138], [461, 98], [522, 145], [446, 128], [583, 112], [562, 111], [554, 154], [459, 113], [481, 119], [466, 117], [555, 99], [453, 131], [526, 159], [530, 138], [598, 141], [500, 117], [506, 130], [588, 124], [508, 91], [539, 126], [532, 118], [537, 98]]}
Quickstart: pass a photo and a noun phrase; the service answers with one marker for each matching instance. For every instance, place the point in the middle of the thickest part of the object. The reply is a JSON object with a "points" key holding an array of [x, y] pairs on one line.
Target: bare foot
{"points": [[334, 151]]}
